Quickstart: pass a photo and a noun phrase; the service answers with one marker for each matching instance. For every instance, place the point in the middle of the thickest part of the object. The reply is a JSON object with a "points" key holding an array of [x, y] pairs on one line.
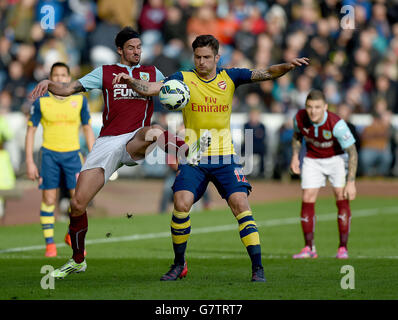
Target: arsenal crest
{"points": [[222, 85], [326, 134], [144, 76]]}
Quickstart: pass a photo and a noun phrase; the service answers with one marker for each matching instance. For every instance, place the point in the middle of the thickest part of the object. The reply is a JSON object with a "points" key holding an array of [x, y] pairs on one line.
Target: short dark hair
{"points": [[124, 35], [315, 95], [60, 64], [206, 40]]}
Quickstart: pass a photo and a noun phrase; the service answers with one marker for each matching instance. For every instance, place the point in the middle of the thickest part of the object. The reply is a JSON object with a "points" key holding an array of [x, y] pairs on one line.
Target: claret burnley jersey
{"points": [[326, 139], [125, 110], [210, 106]]}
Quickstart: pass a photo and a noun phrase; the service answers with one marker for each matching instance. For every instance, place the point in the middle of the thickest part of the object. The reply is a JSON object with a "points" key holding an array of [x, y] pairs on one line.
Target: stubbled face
{"points": [[60, 74], [316, 110], [205, 61], [131, 52]]}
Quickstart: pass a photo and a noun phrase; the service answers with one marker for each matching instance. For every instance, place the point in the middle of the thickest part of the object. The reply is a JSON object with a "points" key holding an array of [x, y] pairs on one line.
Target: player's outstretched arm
{"points": [[57, 88], [144, 88], [295, 161], [277, 70], [350, 189]]}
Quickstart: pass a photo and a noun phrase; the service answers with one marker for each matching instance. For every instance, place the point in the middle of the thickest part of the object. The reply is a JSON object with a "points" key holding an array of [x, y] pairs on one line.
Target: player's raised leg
{"points": [[180, 230], [239, 204], [307, 218], [344, 222], [89, 183], [147, 138]]}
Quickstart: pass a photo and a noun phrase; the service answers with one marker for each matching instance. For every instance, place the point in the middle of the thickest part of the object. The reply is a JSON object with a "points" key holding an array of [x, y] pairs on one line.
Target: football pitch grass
{"points": [[127, 256]]}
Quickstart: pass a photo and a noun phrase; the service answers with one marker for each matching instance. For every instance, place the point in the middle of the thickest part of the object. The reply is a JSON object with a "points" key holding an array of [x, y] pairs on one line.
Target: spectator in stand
{"points": [[276, 24], [252, 103], [332, 93], [20, 18], [5, 59], [227, 27], [151, 22], [361, 77], [62, 34], [283, 91], [344, 111], [101, 44], [81, 19], [166, 57], [52, 50], [16, 84], [152, 16], [379, 20], [175, 25], [375, 156], [123, 14], [245, 39], [358, 99], [300, 93], [202, 22], [259, 137], [387, 90], [26, 55], [305, 14], [284, 150]]}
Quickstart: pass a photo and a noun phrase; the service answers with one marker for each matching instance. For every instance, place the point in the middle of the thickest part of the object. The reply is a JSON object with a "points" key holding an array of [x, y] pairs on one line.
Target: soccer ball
{"points": [[174, 95]]}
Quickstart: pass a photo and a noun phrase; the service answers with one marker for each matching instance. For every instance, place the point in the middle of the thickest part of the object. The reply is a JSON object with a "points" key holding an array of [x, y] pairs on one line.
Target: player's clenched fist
{"points": [[295, 165], [350, 190], [31, 171]]}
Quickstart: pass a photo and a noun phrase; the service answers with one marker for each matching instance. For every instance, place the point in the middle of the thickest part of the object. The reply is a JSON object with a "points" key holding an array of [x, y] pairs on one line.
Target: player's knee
{"points": [[153, 133], [238, 203], [182, 204], [157, 128], [183, 201], [49, 199], [77, 207]]}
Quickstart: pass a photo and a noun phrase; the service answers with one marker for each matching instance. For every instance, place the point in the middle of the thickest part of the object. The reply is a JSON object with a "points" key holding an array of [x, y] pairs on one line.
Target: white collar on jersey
{"points": [[128, 67], [325, 116]]}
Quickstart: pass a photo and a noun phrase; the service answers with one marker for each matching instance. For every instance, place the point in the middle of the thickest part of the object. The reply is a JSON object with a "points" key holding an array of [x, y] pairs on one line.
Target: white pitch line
{"points": [[228, 227]]}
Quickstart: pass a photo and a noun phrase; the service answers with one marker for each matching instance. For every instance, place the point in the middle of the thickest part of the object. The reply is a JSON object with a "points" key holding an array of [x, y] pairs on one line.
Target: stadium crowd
{"points": [[356, 68]]}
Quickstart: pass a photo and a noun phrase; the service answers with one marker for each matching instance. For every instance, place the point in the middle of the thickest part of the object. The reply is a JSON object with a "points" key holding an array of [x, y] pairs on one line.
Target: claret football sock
{"points": [[171, 144], [77, 229], [180, 230], [250, 238], [308, 222], [344, 221]]}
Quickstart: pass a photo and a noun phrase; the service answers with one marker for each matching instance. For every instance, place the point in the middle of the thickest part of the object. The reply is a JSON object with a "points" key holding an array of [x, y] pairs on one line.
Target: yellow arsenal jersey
{"points": [[210, 107], [61, 119]]}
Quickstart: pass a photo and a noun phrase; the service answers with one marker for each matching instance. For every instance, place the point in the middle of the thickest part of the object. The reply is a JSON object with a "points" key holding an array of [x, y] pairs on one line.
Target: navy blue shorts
{"points": [[227, 176], [55, 164]]}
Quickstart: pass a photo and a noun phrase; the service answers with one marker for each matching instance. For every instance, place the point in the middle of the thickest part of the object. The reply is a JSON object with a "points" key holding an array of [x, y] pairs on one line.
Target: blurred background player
{"points": [[7, 176], [60, 153], [327, 136], [209, 111], [259, 138]]}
